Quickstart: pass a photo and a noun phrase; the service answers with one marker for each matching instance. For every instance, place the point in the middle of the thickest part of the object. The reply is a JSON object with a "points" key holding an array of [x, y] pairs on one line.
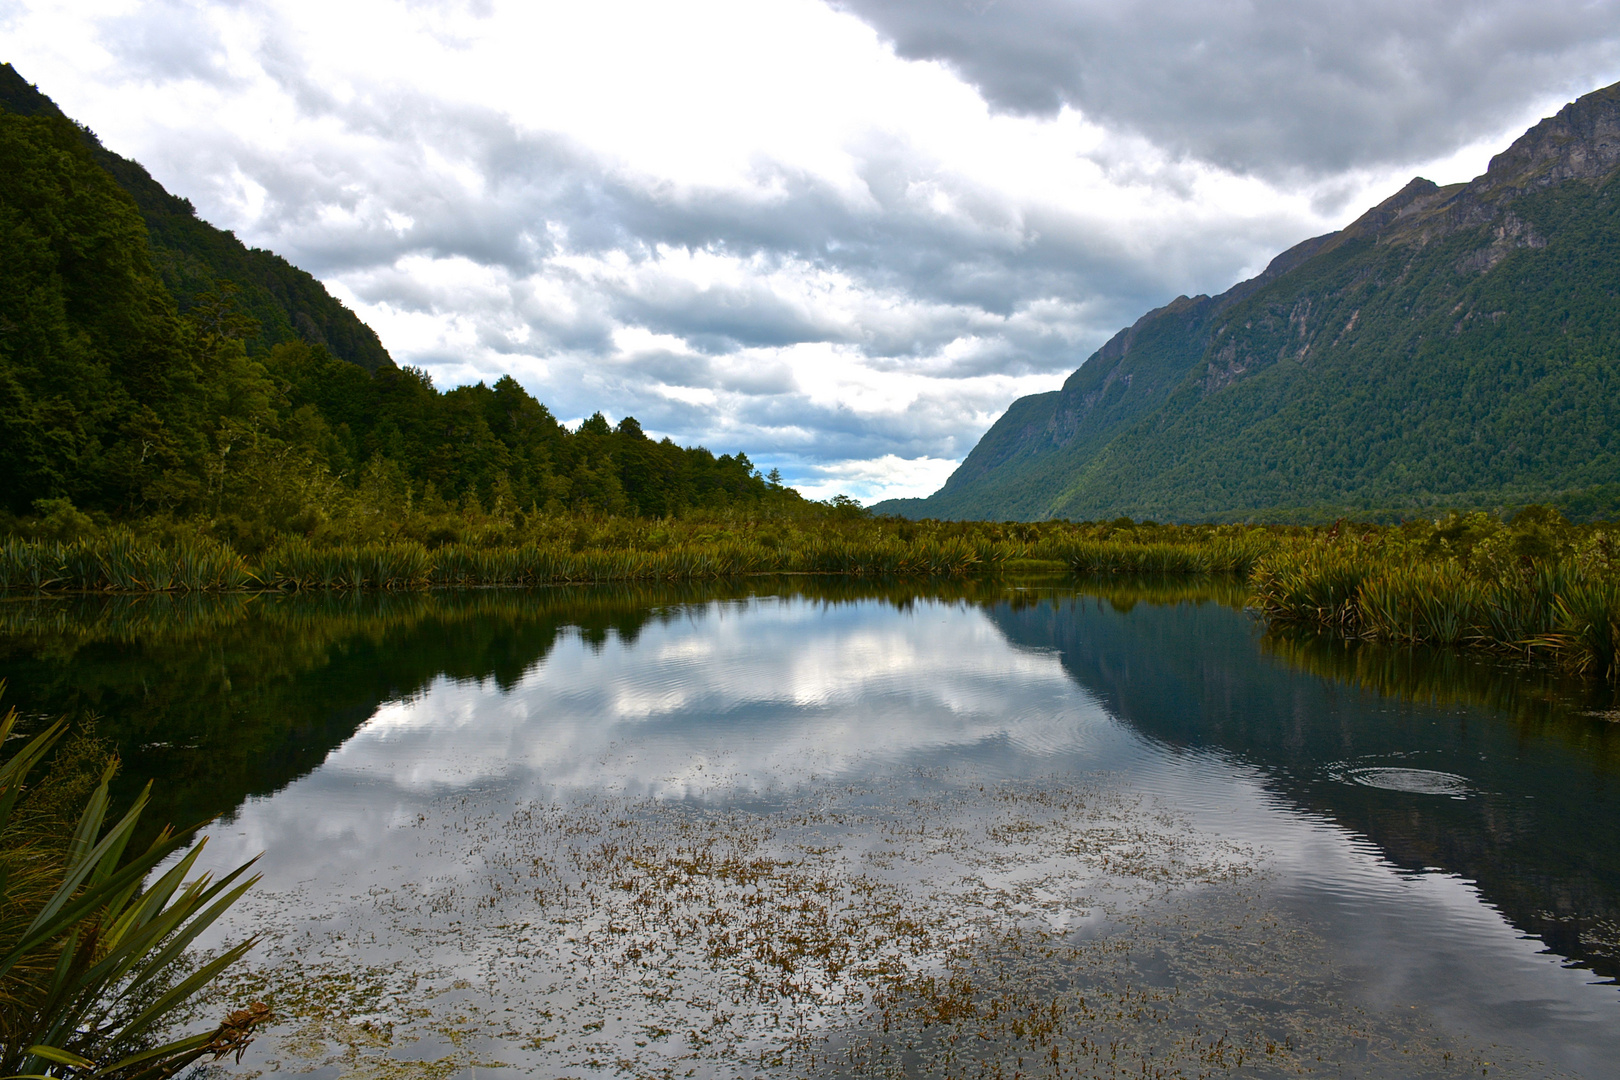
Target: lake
{"points": [[1037, 827]]}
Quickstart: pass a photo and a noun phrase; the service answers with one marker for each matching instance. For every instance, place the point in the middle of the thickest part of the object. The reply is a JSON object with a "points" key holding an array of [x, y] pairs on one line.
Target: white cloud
{"points": [[749, 223]]}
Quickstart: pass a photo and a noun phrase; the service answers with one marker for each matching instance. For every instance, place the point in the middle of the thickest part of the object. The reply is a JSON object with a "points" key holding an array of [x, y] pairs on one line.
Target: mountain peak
{"points": [[1418, 195], [1580, 142], [1451, 347]]}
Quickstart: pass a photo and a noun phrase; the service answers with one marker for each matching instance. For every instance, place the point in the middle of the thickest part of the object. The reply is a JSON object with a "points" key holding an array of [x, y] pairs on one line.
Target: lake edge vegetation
{"points": [[1535, 586], [95, 965]]}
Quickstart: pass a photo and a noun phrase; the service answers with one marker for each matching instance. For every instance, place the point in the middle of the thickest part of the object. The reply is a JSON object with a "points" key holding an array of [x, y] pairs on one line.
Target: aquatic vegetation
{"points": [[656, 936], [1537, 586], [1210, 984], [299, 565], [1528, 590], [573, 550], [1050, 928], [119, 562], [1220, 553]]}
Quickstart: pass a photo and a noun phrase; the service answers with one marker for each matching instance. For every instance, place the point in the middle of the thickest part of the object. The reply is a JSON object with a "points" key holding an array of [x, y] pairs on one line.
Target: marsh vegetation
{"points": [[1535, 586]]}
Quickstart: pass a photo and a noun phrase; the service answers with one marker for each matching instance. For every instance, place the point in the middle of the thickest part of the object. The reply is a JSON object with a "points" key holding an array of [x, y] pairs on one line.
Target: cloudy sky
{"points": [[841, 235]]}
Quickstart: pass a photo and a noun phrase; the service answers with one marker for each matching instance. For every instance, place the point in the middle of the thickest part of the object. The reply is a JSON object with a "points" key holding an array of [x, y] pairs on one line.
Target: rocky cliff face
{"points": [[1397, 328]]}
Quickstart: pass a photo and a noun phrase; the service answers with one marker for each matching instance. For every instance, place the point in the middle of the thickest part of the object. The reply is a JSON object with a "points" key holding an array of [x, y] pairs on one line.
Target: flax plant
{"points": [[94, 968]]}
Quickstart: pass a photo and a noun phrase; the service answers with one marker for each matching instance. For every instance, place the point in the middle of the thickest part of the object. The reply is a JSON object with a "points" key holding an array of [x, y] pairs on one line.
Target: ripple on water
{"points": [[1411, 781]]}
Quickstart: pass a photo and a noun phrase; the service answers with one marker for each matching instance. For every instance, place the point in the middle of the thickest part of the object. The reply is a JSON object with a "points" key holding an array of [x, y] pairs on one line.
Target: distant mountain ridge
{"points": [[192, 257], [1452, 347]]}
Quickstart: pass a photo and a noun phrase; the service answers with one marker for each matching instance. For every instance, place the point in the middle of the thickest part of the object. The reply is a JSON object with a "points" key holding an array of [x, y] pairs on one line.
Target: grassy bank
{"points": [[119, 564], [1536, 586], [579, 549]]}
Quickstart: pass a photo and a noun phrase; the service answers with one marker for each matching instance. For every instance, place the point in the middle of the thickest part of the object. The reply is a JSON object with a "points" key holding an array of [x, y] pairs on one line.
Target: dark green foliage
{"points": [[94, 967], [193, 258], [1535, 586], [497, 447], [1453, 348], [89, 342], [120, 403]]}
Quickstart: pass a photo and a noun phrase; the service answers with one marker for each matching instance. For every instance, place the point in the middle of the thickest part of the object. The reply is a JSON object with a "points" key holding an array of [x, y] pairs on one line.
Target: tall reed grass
{"points": [[116, 564], [1220, 554], [1536, 588], [1561, 609], [119, 562]]}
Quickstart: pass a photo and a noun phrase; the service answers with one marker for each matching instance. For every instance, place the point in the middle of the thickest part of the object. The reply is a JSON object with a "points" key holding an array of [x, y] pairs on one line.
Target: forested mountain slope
{"points": [[131, 406], [191, 257], [1453, 347]]}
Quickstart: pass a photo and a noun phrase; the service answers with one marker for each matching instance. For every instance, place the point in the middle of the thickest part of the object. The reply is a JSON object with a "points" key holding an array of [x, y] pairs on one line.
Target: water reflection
{"points": [[1539, 766], [230, 697], [381, 750]]}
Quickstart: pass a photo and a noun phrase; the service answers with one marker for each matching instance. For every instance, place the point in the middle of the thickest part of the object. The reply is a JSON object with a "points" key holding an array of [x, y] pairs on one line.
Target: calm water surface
{"points": [[760, 830]]}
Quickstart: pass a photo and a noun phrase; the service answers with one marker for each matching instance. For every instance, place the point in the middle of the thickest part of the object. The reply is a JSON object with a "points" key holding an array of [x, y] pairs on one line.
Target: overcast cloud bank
{"points": [[841, 238]]}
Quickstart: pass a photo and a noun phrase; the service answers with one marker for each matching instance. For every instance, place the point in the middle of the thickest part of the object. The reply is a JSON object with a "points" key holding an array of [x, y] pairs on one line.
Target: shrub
{"points": [[94, 967]]}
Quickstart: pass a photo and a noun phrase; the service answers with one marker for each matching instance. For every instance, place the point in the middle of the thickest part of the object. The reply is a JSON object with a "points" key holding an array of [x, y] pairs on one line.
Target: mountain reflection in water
{"points": [[229, 697], [1501, 775], [1537, 757]]}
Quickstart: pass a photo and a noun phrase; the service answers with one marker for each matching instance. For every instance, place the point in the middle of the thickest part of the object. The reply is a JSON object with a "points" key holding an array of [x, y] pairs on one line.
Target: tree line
{"points": [[117, 403]]}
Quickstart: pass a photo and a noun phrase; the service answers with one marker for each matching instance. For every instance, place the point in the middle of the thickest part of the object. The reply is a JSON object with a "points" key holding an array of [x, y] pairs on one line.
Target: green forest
{"points": [[192, 257], [1453, 349], [123, 403], [1397, 377]]}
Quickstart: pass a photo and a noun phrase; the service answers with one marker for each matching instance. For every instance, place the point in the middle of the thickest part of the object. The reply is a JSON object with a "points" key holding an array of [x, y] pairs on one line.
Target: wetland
{"points": [[997, 827]]}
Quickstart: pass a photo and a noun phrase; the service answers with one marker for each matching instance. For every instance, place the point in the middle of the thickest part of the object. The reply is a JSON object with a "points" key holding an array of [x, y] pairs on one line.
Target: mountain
{"points": [[192, 257], [137, 386], [1454, 347]]}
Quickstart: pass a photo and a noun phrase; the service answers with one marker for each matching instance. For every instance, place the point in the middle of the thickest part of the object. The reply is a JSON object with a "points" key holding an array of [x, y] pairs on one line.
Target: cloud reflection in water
{"points": [[850, 740], [736, 700]]}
